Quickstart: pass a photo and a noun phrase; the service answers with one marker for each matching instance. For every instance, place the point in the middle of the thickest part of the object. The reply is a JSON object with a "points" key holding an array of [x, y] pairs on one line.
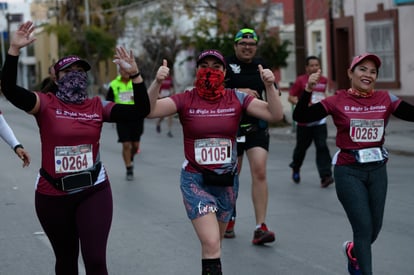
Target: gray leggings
{"points": [[362, 189]]}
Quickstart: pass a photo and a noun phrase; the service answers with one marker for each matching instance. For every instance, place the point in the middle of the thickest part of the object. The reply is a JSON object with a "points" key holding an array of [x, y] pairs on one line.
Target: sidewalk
{"points": [[399, 134]]}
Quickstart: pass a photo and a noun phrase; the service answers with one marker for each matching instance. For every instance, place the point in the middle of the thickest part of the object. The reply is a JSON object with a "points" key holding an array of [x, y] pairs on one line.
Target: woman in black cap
{"points": [[73, 197]]}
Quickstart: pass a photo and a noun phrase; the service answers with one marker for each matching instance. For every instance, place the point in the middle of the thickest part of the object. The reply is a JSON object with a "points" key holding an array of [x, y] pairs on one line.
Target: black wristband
{"points": [[18, 146], [135, 75]]}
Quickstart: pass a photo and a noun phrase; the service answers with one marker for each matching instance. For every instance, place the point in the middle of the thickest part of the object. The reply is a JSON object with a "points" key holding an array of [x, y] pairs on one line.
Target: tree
{"points": [[92, 35], [218, 31]]}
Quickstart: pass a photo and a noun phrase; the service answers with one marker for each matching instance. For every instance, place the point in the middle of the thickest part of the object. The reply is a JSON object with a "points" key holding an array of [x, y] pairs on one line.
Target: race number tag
{"points": [[316, 97], [73, 158], [241, 139], [126, 96], [369, 155], [212, 151], [366, 130]]}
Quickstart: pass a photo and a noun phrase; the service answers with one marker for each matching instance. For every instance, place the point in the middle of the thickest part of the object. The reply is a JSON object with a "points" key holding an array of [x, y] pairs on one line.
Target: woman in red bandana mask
{"points": [[210, 115]]}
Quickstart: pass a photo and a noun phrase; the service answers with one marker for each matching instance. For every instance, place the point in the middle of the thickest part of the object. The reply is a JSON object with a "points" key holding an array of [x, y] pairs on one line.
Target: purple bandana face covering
{"points": [[72, 87]]}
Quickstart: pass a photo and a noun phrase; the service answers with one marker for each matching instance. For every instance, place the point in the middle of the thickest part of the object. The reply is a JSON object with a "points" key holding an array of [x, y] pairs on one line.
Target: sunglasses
{"points": [[248, 35]]}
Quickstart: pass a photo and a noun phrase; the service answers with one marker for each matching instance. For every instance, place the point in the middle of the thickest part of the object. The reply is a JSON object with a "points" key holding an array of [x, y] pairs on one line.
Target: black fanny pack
{"points": [[214, 179], [73, 181]]}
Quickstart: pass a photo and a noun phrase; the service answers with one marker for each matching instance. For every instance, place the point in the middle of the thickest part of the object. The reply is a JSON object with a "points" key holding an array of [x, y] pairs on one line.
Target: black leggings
{"points": [[82, 218], [362, 190]]}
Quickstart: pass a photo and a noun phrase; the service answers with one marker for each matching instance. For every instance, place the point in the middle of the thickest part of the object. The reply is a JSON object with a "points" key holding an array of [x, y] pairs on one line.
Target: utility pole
{"points": [[87, 16], [300, 41]]}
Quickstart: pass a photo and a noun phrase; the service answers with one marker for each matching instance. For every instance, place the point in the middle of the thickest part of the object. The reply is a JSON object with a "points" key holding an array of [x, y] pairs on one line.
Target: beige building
{"points": [[383, 27], [46, 45]]}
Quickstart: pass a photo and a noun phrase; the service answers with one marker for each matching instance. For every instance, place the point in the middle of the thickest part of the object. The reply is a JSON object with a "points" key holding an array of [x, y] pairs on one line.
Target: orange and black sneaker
{"points": [[263, 235], [229, 234]]}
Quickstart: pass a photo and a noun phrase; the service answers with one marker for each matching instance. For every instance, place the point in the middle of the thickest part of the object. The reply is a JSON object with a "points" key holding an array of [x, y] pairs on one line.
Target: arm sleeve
{"points": [[110, 95], [305, 113], [139, 110], [404, 111], [7, 134], [18, 96]]}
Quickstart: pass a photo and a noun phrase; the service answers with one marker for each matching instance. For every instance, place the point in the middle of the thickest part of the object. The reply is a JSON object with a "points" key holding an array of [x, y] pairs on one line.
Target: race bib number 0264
{"points": [[73, 158], [366, 130], [212, 151]]}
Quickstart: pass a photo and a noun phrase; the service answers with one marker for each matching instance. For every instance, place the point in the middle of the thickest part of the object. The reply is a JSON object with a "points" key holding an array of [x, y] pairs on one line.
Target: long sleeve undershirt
{"points": [[26, 100], [7, 134], [305, 113]]}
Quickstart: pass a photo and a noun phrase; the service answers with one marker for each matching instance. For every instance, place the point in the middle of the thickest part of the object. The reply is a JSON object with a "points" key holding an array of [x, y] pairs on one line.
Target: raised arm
{"points": [[141, 107], [305, 113], [18, 96], [272, 110], [165, 106]]}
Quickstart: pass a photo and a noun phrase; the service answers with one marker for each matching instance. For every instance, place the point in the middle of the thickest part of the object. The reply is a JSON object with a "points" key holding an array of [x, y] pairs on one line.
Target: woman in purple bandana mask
{"points": [[73, 196], [210, 115]]}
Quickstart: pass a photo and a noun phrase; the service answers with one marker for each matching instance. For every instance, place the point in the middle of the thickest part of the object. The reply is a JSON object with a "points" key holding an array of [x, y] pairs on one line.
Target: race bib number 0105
{"points": [[366, 130], [69, 159], [212, 151]]}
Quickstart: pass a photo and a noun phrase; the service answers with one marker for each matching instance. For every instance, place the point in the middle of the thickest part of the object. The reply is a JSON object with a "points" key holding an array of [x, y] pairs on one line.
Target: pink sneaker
{"points": [[353, 267]]}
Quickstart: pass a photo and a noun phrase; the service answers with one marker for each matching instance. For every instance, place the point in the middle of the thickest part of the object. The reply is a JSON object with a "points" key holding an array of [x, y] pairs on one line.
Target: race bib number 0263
{"points": [[73, 158], [212, 151], [366, 130]]}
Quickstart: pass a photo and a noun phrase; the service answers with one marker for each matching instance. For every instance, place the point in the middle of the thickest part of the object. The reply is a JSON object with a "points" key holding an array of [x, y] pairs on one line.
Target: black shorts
{"points": [[130, 131], [259, 138]]}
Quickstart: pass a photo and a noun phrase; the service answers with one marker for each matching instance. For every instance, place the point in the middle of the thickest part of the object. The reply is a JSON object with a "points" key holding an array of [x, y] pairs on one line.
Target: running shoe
{"points": [[130, 173], [353, 267], [326, 181], [169, 134], [158, 128], [296, 175], [263, 235], [229, 234]]}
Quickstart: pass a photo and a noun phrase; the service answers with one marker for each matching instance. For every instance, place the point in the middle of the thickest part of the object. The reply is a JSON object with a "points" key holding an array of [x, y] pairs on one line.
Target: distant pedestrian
{"points": [[360, 115], [129, 132], [210, 116], [316, 131]]}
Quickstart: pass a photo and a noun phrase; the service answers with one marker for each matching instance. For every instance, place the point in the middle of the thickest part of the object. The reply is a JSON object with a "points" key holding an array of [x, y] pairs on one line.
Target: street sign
{"points": [[14, 17]]}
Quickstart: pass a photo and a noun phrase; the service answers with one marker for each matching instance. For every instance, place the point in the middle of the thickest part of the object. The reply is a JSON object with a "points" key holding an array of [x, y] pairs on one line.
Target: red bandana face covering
{"points": [[359, 94], [210, 83]]}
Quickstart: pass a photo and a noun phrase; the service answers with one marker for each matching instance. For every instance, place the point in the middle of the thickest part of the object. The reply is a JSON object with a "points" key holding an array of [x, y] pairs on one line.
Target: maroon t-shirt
{"points": [[69, 135], [210, 129], [360, 122], [318, 93]]}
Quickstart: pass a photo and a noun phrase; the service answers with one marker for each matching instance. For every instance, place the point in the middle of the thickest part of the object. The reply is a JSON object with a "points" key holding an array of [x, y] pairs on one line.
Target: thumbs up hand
{"points": [[162, 72], [267, 75], [313, 80]]}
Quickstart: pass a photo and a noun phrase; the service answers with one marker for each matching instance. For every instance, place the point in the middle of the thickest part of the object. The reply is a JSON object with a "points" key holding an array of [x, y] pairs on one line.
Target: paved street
{"points": [[151, 234]]}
